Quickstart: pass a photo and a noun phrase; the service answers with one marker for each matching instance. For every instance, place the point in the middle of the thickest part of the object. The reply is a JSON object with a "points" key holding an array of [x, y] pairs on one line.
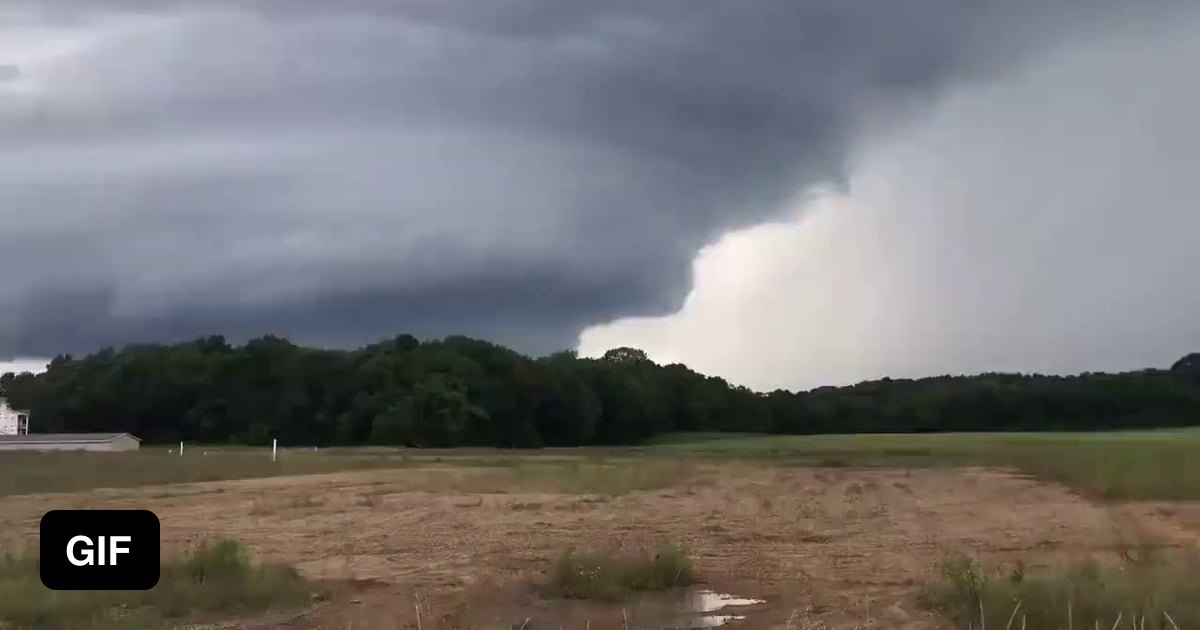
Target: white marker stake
{"points": [[274, 447], [181, 448]]}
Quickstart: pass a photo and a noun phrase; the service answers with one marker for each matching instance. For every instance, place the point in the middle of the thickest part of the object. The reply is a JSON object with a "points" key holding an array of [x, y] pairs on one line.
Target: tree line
{"points": [[465, 392]]}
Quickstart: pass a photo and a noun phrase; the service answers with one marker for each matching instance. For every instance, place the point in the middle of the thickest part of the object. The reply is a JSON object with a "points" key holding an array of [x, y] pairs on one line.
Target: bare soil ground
{"points": [[838, 546]]}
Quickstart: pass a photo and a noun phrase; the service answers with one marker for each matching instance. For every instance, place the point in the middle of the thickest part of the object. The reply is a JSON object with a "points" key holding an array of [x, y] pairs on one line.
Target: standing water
{"points": [[699, 608]]}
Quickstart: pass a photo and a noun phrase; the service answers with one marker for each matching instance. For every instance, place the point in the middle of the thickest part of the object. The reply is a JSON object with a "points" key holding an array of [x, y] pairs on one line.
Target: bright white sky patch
{"points": [[1047, 222], [17, 366], [30, 54]]}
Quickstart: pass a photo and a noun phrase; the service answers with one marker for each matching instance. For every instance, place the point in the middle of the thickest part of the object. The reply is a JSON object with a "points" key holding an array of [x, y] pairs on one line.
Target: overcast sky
{"points": [[1007, 183]]}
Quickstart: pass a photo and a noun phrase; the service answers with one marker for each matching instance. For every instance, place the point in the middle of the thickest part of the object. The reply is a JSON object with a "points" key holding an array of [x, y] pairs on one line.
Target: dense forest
{"points": [[460, 392]]}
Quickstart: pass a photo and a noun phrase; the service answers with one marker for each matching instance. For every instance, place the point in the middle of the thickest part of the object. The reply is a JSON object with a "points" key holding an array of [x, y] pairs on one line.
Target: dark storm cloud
{"points": [[538, 309], [518, 169]]}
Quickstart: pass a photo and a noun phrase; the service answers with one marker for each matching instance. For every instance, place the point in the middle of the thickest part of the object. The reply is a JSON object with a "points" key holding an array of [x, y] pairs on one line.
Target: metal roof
{"points": [[59, 438]]}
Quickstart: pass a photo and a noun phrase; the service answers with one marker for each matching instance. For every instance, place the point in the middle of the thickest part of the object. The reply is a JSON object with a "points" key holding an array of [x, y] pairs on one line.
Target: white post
{"points": [[274, 448], [181, 448]]}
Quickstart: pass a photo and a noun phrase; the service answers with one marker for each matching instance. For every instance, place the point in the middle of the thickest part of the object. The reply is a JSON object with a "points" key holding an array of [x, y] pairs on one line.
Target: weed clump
{"points": [[612, 577], [217, 578], [1146, 587]]}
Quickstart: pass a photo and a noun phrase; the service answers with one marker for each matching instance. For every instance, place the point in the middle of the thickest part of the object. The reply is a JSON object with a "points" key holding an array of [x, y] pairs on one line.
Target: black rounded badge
{"points": [[111, 550]]}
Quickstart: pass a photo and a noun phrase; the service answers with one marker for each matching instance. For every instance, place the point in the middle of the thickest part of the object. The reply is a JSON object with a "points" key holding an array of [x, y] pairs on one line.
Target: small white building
{"points": [[13, 421]]}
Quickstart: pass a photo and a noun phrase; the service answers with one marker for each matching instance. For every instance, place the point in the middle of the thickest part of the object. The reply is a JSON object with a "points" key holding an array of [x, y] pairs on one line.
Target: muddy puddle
{"points": [[683, 609], [707, 609]]}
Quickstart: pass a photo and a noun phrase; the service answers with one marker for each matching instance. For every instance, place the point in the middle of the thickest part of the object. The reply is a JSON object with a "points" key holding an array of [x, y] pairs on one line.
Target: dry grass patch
{"points": [[262, 507], [572, 477], [303, 501]]}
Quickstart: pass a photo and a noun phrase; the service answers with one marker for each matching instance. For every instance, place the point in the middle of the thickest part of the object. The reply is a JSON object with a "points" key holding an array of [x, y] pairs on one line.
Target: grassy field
{"points": [[29, 472], [600, 471], [762, 508], [1113, 465]]}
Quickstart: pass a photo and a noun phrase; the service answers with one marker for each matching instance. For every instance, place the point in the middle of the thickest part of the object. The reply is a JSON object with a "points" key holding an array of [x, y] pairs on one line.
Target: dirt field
{"points": [[844, 547]]}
